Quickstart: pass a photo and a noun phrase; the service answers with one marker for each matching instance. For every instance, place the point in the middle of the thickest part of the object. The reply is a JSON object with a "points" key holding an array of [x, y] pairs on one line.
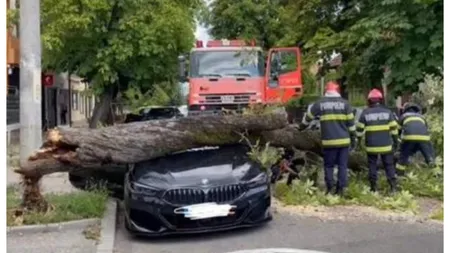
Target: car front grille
{"points": [[180, 222], [189, 196]]}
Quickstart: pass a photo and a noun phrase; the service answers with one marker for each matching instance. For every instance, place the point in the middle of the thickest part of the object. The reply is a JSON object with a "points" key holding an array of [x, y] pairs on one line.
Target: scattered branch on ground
{"points": [[93, 232], [358, 193], [419, 181], [423, 181]]}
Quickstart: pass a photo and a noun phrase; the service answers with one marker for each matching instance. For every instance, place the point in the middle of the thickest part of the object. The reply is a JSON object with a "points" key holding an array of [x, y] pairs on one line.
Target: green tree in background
{"points": [[117, 43], [245, 19], [404, 35]]}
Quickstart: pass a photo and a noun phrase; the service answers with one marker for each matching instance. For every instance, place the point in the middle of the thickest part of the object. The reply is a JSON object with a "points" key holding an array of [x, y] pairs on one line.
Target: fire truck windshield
{"points": [[226, 63]]}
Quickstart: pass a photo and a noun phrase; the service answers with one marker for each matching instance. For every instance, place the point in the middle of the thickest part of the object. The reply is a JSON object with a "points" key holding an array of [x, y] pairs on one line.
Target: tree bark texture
{"points": [[102, 109], [72, 149], [69, 149]]}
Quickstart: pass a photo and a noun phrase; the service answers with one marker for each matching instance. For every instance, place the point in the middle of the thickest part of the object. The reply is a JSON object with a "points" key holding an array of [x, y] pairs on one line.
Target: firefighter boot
{"points": [[329, 190], [339, 190], [373, 187], [393, 187]]}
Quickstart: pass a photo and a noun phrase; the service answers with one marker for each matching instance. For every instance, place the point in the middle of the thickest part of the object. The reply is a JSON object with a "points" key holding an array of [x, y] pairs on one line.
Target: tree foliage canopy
{"points": [[404, 35], [117, 42]]}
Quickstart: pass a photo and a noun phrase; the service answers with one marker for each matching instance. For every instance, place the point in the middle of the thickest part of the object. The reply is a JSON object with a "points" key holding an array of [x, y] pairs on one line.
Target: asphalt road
{"points": [[291, 231]]}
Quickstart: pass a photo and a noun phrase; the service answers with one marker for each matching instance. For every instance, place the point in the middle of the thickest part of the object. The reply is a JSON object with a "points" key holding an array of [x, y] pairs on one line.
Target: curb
{"points": [[277, 250], [108, 231], [52, 227]]}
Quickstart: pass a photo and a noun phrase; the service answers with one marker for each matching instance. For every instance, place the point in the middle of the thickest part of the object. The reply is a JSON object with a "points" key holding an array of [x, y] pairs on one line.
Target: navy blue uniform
{"points": [[380, 127], [337, 126], [415, 137]]}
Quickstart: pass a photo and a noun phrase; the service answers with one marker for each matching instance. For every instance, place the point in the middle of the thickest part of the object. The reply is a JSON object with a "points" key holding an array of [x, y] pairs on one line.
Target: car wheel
{"points": [[127, 226]]}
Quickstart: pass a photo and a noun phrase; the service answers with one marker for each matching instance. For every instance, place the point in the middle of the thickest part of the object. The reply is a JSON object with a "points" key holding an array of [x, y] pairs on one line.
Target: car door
{"points": [[283, 78]]}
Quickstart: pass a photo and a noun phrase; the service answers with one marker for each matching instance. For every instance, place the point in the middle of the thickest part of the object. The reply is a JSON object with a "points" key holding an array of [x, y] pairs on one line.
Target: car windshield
{"points": [[239, 63], [196, 160]]}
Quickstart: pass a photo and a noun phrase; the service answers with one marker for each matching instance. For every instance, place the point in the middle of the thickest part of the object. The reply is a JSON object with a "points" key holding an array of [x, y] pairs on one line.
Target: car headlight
{"points": [[260, 180], [143, 189]]}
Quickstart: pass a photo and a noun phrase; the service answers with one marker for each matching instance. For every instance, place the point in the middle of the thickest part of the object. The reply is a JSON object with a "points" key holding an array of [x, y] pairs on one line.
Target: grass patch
{"points": [[67, 207], [419, 181], [304, 193], [424, 182], [438, 215]]}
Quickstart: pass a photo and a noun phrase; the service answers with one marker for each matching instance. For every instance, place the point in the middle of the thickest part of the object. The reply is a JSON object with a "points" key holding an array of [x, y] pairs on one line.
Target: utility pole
{"points": [[30, 78]]}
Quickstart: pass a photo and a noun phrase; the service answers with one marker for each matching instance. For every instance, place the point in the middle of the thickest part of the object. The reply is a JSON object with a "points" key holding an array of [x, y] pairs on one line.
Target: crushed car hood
{"points": [[208, 167]]}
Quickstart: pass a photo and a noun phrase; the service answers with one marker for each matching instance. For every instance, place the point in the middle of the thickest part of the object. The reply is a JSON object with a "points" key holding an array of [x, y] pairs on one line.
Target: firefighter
{"points": [[381, 138], [337, 126], [414, 136]]}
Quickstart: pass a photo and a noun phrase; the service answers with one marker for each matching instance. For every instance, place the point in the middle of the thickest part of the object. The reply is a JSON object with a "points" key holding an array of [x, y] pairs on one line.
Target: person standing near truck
{"points": [[337, 126], [381, 133]]}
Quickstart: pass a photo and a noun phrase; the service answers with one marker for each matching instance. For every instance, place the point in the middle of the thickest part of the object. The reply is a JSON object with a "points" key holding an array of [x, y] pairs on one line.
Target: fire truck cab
{"points": [[231, 74]]}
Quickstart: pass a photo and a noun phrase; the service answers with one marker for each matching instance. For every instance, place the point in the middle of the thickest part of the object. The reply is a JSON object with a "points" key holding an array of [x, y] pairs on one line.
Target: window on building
{"points": [[82, 103], [74, 100]]}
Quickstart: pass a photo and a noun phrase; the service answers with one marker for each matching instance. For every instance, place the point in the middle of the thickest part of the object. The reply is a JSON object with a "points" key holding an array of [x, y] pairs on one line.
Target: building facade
{"points": [[64, 96]]}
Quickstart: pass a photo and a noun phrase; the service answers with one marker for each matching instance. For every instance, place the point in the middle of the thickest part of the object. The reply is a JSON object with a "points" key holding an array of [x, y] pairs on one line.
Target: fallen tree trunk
{"points": [[68, 149], [309, 140]]}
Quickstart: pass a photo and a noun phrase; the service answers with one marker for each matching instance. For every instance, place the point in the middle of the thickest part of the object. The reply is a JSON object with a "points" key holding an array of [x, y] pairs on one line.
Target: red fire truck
{"points": [[231, 74]]}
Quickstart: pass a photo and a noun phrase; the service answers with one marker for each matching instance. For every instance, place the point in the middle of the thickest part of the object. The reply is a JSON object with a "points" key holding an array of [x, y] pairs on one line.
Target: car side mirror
{"points": [[274, 76]]}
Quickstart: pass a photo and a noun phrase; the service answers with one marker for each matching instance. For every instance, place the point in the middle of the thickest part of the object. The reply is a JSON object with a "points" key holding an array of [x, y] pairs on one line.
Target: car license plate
{"points": [[227, 99], [205, 211]]}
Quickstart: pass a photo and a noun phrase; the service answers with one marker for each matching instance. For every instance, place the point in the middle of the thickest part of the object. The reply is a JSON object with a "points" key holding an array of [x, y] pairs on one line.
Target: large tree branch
{"points": [[67, 149]]}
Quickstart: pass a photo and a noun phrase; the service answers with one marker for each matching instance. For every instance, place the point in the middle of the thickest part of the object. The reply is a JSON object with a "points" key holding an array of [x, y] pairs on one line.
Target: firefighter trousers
{"points": [[388, 164], [335, 157], [409, 148]]}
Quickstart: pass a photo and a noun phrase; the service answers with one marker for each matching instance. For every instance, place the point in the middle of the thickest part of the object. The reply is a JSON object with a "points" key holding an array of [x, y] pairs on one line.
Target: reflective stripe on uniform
{"points": [[377, 128], [337, 117], [360, 125], [394, 132], [393, 124], [343, 141], [352, 128], [379, 149], [416, 137], [413, 119], [359, 134]]}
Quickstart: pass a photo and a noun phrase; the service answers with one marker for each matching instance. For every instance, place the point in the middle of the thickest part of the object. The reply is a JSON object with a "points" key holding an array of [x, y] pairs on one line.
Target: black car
{"points": [[196, 191], [154, 113]]}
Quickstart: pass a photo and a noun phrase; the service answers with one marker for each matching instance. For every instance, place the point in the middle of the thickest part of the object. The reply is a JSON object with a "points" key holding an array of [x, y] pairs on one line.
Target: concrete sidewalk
{"points": [[67, 241]]}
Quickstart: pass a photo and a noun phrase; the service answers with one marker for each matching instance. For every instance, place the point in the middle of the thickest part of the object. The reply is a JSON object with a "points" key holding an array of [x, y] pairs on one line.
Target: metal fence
{"points": [[12, 109]]}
